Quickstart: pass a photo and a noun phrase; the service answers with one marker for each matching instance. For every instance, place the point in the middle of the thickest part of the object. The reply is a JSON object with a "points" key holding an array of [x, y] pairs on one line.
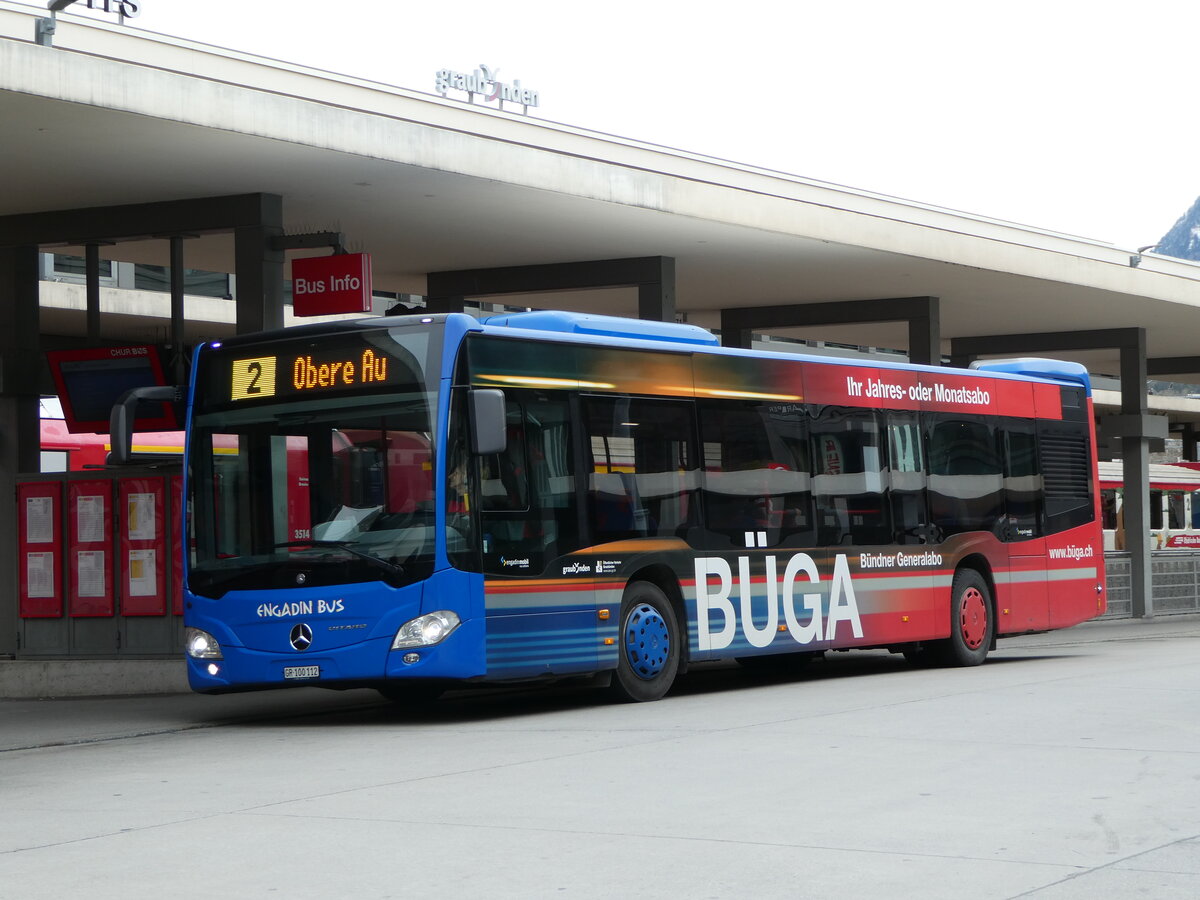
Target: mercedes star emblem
{"points": [[301, 636]]}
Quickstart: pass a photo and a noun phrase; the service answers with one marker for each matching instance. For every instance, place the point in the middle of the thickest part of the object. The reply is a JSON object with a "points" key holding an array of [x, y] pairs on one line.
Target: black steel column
{"points": [[20, 363], [1135, 470], [921, 313], [92, 288], [259, 269], [445, 304], [656, 299], [178, 361], [1189, 442], [925, 332], [653, 276], [735, 331]]}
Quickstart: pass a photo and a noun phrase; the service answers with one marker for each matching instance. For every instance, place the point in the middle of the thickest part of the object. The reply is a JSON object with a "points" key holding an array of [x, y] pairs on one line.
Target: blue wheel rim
{"points": [[647, 641]]}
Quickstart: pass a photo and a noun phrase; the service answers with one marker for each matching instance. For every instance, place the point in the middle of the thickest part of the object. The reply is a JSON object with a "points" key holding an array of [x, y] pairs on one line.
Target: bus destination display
{"points": [[300, 374]]}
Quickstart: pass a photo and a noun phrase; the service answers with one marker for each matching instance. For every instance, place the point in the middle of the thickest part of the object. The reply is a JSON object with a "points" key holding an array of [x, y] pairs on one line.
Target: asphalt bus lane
{"points": [[1067, 766]]}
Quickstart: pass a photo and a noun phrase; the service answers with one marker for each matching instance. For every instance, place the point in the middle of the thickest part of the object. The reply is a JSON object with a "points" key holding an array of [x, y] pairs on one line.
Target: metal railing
{"points": [[1174, 578]]}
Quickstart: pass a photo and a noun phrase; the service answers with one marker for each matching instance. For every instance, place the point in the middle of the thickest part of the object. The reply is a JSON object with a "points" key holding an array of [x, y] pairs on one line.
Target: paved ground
{"points": [[1067, 767]]}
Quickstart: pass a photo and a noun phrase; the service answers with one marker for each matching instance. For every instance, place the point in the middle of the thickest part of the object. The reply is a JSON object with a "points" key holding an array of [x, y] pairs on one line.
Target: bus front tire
{"points": [[649, 644]]}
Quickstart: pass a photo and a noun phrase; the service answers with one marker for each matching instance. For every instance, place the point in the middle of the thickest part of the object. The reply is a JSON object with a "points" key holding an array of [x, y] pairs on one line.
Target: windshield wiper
{"points": [[393, 568]]}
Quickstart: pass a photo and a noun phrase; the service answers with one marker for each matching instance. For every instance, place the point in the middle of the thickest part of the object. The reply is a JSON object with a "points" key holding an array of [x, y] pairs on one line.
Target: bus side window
{"points": [[1022, 481], [966, 479], [1156, 510], [644, 474], [504, 476], [906, 481], [504, 498], [848, 478], [756, 472], [528, 510], [462, 531]]}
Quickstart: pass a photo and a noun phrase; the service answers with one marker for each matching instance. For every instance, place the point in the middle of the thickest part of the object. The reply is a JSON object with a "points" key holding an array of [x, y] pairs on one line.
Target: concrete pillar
{"points": [[1135, 464], [925, 333], [1188, 439], [656, 299], [20, 437], [259, 269], [734, 333], [92, 290], [921, 313], [178, 362], [445, 304]]}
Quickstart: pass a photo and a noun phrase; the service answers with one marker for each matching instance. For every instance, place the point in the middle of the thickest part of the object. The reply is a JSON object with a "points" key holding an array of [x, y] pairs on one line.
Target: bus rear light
{"points": [[427, 630]]}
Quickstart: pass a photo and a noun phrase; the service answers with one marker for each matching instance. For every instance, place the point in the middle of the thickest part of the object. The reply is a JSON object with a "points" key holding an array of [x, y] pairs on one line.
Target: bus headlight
{"points": [[201, 644], [427, 630]]}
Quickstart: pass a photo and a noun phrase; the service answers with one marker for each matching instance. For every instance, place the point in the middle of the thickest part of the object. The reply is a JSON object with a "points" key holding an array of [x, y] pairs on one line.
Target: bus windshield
{"points": [[323, 485]]}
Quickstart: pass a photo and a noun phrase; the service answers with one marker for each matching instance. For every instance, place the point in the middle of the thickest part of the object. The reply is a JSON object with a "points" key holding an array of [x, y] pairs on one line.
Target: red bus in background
{"points": [[1174, 513], [66, 452]]}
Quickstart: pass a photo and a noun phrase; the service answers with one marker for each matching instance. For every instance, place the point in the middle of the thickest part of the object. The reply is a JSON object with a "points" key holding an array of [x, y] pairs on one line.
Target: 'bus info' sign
{"points": [[324, 285]]}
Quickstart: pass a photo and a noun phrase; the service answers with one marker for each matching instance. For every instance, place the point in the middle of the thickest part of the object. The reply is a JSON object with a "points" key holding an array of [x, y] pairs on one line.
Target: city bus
{"points": [[415, 502]]}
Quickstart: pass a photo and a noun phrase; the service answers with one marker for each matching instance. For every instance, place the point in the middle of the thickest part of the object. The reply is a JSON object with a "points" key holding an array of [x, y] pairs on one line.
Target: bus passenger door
{"points": [[1028, 606], [539, 588]]}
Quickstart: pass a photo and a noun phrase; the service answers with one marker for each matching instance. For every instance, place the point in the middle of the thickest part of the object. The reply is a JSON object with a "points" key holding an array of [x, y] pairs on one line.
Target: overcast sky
{"points": [[1061, 114]]}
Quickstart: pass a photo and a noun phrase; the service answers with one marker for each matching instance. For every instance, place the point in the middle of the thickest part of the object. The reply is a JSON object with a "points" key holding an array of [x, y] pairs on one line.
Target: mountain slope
{"points": [[1183, 240]]}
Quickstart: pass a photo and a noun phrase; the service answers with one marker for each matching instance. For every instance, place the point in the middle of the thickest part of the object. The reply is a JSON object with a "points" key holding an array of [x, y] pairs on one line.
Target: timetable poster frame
{"points": [[90, 548], [143, 544], [40, 545], [176, 547]]}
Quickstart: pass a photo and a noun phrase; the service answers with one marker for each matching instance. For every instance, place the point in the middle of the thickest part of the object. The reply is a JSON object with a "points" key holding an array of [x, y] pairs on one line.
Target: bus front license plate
{"points": [[301, 671]]}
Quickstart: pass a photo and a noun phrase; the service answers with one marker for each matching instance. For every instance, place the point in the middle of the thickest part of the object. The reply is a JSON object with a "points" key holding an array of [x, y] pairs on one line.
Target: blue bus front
{"points": [[317, 539]]}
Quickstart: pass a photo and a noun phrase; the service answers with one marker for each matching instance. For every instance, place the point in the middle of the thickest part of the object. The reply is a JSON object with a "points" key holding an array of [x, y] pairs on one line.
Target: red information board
{"points": [[40, 547], [89, 548], [143, 546], [175, 551], [322, 285]]}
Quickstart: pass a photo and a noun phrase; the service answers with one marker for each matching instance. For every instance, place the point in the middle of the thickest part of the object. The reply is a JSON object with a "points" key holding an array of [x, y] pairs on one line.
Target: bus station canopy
{"points": [[112, 115]]}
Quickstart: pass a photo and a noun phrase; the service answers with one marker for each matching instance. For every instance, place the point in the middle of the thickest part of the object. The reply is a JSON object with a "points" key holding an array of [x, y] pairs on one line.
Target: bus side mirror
{"points": [[123, 415], [489, 421]]}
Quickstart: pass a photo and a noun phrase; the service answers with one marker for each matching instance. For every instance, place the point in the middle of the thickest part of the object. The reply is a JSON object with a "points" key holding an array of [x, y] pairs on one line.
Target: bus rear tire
{"points": [[649, 647], [972, 624]]}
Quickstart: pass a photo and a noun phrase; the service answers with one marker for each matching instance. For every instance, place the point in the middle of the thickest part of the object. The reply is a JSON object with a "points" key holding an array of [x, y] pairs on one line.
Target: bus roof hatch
{"points": [[1035, 367]]}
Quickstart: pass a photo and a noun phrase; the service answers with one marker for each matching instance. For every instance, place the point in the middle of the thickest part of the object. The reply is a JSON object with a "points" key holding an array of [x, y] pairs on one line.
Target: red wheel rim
{"points": [[974, 618]]}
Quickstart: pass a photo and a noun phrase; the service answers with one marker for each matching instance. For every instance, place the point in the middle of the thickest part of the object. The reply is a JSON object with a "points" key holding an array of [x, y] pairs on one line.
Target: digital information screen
{"points": [[90, 381], [331, 365], [261, 377]]}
